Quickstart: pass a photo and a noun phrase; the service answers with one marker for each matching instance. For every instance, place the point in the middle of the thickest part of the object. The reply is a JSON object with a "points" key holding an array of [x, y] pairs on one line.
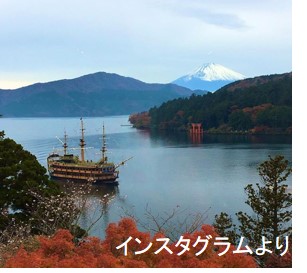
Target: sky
{"points": [[150, 40]]}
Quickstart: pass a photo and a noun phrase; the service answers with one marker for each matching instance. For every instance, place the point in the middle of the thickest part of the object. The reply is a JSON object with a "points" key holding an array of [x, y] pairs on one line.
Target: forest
{"points": [[256, 105]]}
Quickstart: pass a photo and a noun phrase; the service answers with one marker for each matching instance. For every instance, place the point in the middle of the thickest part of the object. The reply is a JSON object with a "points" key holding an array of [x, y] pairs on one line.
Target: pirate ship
{"points": [[70, 167]]}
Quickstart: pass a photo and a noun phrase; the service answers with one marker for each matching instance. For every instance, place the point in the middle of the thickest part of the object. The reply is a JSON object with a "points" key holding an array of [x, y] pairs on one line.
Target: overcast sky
{"points": [[150, 40]]}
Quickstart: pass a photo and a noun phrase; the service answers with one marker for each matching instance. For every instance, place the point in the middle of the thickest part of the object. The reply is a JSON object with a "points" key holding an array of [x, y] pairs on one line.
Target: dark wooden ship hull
{"points": [[82, 172], [81, 180]]}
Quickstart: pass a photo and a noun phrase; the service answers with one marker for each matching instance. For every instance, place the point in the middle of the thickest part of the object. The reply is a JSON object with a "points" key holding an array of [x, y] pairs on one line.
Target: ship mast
{"points": [[65, 146], [104, 146], [82, 142]]}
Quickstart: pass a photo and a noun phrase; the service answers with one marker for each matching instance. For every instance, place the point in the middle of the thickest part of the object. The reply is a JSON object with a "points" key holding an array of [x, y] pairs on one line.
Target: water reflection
{"points": [[93, 200], [196, 138], [180, 138]]}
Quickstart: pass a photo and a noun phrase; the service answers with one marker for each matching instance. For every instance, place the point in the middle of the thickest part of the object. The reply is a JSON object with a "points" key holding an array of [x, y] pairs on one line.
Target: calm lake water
{"points": [[167, 170]]}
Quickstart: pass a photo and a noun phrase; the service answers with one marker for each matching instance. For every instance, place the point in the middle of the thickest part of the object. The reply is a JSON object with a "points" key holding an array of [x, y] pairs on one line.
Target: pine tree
{"points": [[20, 172], [271, 204], [224, 227]]}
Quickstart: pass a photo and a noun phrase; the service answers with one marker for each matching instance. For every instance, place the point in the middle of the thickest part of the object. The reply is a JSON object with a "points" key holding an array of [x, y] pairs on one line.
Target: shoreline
{"points": [[213, 132]]}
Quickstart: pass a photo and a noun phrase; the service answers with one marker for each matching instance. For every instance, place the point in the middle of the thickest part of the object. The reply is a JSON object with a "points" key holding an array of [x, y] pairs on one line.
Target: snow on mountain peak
{"points": [[214, 72]]}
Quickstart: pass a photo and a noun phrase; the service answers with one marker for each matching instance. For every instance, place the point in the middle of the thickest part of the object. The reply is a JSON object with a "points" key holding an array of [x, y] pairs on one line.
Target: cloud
{"points": [[220, 19], [152, 40]]}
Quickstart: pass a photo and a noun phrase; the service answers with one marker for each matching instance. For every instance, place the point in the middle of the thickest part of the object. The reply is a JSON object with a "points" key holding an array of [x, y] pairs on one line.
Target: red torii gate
{"points": [[196, 128]]}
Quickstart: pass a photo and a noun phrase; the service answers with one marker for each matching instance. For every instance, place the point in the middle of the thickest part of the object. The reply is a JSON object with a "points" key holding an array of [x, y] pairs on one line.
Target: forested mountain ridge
{"points": [[96, 94], [256, 105]]}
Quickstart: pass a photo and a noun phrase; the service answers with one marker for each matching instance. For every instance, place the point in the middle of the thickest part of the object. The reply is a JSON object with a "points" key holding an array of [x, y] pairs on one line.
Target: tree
{"points": [[224, 227], [31, 204], [19, 173], [140, 120], [271, 204], [60, 251], [239, 120], [275, 117], [172, 223]]}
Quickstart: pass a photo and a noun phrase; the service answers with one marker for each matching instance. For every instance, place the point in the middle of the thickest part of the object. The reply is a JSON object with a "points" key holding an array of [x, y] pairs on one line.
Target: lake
{"points": [[168, 170]]}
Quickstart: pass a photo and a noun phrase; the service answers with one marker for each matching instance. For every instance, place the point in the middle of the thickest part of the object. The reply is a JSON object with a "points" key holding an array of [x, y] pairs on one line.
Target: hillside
{"points": [[97, 94], [256, 105]]}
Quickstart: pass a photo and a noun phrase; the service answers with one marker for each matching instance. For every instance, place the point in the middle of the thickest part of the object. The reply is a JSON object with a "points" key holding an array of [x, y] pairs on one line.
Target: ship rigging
{"points": [[70, 167]]}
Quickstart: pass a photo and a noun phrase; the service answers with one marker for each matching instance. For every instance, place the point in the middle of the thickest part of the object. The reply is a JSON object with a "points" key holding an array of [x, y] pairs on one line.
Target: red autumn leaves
{"points": [[60, 251]]}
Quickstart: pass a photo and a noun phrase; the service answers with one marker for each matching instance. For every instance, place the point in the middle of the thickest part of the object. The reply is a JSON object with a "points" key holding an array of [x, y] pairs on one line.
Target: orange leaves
{"points": [[140, 120], [279, 261], [21, 259], [60, 245], [60, 251]]}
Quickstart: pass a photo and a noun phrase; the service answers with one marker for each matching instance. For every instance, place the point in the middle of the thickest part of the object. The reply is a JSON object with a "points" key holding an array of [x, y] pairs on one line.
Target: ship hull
{"points": [[82, 172], [78, 180]]}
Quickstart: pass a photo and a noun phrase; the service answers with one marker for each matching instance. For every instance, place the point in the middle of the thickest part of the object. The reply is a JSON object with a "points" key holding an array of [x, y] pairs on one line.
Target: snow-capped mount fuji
{"points": [[209, 77]]}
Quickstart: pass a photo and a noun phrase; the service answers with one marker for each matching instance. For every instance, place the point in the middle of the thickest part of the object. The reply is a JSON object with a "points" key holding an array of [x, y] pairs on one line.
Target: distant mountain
{"points": [[97, 94], [210, 77], [255, 105]]}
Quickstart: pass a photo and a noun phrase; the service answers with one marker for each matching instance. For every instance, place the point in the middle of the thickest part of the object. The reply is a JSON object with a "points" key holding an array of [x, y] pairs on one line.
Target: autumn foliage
{"points": [[140, 120], [61, 251]]}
